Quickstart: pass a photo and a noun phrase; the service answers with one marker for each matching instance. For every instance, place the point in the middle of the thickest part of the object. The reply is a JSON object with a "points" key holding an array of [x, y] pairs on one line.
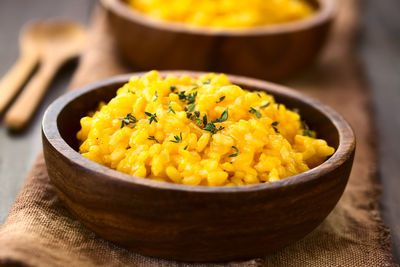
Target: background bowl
{"points": [[194, 223], [270, 52]]}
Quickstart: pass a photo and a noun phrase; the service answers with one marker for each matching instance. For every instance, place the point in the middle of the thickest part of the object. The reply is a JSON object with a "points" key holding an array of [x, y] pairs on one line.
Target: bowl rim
{"points": [[326, 12], [344, 151]]}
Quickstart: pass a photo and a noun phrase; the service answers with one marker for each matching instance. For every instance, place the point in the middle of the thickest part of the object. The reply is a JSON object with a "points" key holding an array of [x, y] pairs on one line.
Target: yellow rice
{"points": [[257, 141], [225, 13]]}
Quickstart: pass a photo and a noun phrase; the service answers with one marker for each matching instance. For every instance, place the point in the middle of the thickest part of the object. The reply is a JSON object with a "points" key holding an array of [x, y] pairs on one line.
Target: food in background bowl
{"points": [[199, 131], [225, 13]]}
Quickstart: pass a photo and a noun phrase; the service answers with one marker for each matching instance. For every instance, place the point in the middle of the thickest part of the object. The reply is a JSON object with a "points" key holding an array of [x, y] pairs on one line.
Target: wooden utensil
{"points": [[57, 41], [28, 59], [271, 52], [194, 223]]}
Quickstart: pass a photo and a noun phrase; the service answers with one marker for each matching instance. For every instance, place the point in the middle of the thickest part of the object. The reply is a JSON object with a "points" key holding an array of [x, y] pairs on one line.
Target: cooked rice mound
{"points": [[199, 131], [225, 13]]}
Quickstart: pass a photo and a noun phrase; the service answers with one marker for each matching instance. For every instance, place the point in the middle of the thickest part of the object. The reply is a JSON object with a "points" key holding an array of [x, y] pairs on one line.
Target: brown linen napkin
{"points": [[39, 231]]}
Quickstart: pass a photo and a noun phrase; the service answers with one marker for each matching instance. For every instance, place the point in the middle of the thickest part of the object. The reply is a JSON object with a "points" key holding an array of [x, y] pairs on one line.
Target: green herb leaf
{"points": [[307, 131], [265, 105], [254, 111], [191, 98], [274, 126], [210, 127], [191, 107], [152, 117], [223, 117], [205, 120], [128, 119], [170, 108], [178, 139], [259, 95], [185, 147], [172, 88], [151, 137], [155, 96], [236, 152], [220, 99]]}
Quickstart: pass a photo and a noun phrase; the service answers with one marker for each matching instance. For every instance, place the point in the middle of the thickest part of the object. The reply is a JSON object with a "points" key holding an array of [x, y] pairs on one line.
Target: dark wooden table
{"points": [[380, 51]]}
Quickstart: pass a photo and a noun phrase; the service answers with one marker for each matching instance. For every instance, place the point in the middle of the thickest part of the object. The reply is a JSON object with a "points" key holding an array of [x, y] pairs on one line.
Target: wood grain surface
{"points": [[194, 223]]}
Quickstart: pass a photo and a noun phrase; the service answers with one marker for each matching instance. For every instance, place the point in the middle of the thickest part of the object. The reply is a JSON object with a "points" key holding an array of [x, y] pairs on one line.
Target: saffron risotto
{"points": [[225, 13], [199, 131]]}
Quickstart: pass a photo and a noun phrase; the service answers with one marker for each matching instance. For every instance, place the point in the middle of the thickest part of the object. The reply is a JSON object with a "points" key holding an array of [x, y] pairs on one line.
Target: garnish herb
{"points": [[191, 98], [265, 105], [155, 96], [236, 152], [178, 139], [185, 147], [170, 108], [274, 126], [196, 117], [212, 128], [223, 117], [205, 120], [129, 119], [254, 111], [259, 95], [152, 117], [306, 131], [221, 99], [190, 108], [172, 88], [181, 95], [151, 137]]}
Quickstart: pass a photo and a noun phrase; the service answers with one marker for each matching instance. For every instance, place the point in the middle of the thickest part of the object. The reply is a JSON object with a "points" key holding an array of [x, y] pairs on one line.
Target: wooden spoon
{"points": [[58, 42], [28, 59]]}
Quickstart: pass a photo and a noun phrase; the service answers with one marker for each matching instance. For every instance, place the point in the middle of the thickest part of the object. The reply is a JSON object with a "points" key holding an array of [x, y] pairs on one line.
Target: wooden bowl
{"points": [[194, 223], [270, 52]]}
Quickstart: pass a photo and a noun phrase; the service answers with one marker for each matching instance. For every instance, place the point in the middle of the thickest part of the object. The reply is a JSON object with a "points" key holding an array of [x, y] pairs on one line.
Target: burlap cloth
{"points": [[39, 231]]}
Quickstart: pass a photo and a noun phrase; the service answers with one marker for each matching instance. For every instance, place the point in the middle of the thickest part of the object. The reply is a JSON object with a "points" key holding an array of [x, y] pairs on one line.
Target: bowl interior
{"points": [[68, 120]]}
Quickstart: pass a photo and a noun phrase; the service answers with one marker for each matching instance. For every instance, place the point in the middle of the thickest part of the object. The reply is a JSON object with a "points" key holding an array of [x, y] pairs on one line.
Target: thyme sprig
{"points": [[236, 152], [170, 109], [307, 131], [223, 117], [265, 105], [128, 119], [220, 99], [254, 111], [155, 96], [151, 137], [189, 99], [152, 117], [178, 139], [274, 126]]}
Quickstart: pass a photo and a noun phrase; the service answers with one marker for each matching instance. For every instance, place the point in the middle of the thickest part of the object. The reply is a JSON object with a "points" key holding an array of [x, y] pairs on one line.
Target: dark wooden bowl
{"points": [[194, 223], [270, 52]]}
